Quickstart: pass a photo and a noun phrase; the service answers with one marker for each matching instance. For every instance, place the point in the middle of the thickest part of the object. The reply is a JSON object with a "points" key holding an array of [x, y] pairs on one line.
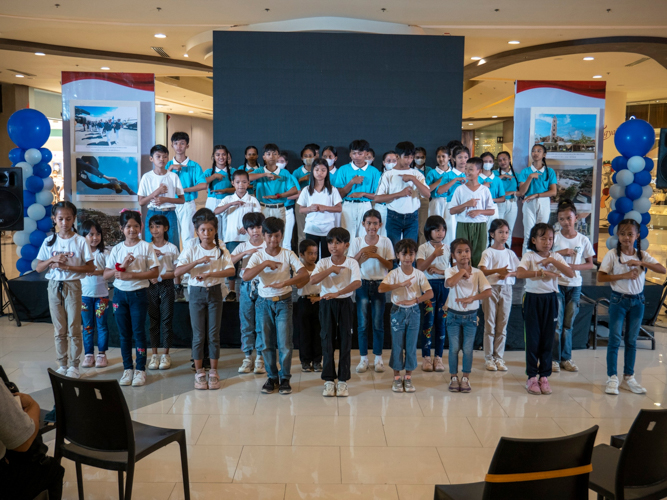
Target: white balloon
{"points": [[645, 244], [647, 191], [22, 238], [33, 264], [635, 164], [18, 251], [34, 156], [641, 205], [625, 177], [612, 241], [44, 198], [612, 205], [634, 215], [48, 184], [617, 191], [36, 211], [27, 170]]}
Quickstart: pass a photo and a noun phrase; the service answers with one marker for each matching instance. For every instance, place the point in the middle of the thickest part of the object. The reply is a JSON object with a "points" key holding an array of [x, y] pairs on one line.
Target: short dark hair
{"points": [[273, 225], [201, 212], [384, 156], [419, 149], [314, 146], [478, 162], [160, 220], [405, 148], [406, 245], [538, 230], [180, 136], [240, 173], [432, 223], [338, 234], [159, 148], [332, 149], [253, 219], [487, 153], [271, 147], [359, 145], [305, 244], [372, 213]]}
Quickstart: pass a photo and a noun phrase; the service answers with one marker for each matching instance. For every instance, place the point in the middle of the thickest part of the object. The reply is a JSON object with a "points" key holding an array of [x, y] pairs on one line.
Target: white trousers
{"points": [[496, 215], [281, 213], [212, 203], [534, 212], [382, 208], [289, 228], [422, 216], [184, 215], [508, 211], [437, 206], [352, 217], [451, 226]]}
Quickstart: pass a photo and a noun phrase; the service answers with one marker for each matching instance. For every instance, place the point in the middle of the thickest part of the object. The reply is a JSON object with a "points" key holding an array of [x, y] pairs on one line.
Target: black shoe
{"points": [[306, 367], [317, 367], [179, 293], [285, 388], [269, 386], [192, 367], [231, 296]]}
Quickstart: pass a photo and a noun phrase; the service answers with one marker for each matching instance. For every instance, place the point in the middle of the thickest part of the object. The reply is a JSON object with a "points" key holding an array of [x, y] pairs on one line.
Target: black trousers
{"points": [[23, 478], [321, 242], [310, 346], [336, 316], [540, 314], [161, 312]]}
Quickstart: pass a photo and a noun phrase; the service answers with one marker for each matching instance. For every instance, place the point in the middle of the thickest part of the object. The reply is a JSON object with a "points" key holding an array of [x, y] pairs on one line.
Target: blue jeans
{"points": [[173, 225], [94, 314], [404, 334], [275, 319], [434, 317], [402, 226], [628, 309], [461, 329], [251, 335], [568, 307], [369, 300], [130, 310]]}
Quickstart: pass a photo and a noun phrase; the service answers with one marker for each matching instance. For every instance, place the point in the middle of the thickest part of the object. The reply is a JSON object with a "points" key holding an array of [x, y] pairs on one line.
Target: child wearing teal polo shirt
{"points": [[450, 183], [301, 175], [508, 210], [434, 178], [192, 179], [493, 182], [420, 165], [219, 180]]}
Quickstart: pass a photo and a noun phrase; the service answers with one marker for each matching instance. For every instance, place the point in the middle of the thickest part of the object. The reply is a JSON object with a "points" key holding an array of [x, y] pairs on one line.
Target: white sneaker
{"points": [[73, 372], [569, 366], [126, 379], [259, 365], [165, 362], [555, 366], [491, 365], [246, 366], [329, 390], [139, 378], [341, 390], [362, 367], [500, 365], [62, 370], [154, 363], [629, 383], [612, 385], [379, 365]]}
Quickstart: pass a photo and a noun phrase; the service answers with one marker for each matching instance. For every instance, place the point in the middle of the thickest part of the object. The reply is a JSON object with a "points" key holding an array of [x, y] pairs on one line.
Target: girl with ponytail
{"points": [[508, 210]]}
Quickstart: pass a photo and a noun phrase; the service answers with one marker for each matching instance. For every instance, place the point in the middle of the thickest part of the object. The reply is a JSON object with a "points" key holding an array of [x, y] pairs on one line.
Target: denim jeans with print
{"points": [[94, 317]]}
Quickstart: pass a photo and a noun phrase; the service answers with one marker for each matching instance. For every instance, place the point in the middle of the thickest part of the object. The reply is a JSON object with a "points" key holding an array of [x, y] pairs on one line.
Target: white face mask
{"points": [[308, 161], [389, 166], [330, 162], [420, 161], [488, 166], [281, 165], [368, 162]]}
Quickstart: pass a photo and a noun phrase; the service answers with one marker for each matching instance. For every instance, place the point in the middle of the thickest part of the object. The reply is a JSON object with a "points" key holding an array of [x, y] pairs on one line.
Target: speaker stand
{"points": [[4, 288]]}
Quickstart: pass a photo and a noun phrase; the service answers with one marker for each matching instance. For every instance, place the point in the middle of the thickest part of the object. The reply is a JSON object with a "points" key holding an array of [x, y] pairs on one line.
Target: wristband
{"points": [[118, 268]]}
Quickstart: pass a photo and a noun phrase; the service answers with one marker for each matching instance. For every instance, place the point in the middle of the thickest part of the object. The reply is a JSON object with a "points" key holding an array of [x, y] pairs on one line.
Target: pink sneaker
{"points": [[101, 361], [88, 361], [532, 386], [200, 381], [544, 386], [213, 380]]}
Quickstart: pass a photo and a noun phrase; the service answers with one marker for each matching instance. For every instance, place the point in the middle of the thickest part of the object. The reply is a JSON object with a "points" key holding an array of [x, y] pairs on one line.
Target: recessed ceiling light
{"points": [[589, 58], [480, 62], [40, 54], [20, 76], [475, 58], [597, 76], [514, 42], [494, 116], [190, 111], [160, 35], [105, 68], [657, 404], [470, 123], [185, 55]]}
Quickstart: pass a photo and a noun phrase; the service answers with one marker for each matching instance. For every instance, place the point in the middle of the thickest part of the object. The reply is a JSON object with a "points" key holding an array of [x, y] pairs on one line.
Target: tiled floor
{"points": [[373, 444]]}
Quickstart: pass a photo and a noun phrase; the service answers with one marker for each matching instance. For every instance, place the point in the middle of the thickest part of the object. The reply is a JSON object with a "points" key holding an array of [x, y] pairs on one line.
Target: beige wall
{"points": [[614, 115], [14, 97]]}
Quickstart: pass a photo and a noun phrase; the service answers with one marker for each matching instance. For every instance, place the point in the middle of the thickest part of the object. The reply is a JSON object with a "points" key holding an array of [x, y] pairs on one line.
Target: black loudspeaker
{"points": [[661, 172], [11, 199]]}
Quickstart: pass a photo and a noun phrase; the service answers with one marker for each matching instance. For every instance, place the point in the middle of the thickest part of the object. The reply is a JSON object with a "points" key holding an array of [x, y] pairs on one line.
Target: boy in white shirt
{"points": [[401, 189], [375, 255], [409, 287], [340, 277], [272, 266], [472, 204], [161, 190]]}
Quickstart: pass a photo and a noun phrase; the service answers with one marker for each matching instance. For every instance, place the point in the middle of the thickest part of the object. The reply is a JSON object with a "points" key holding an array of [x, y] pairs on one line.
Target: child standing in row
{"points": [[625, 269], [452, 180], [95, 299], [467, 287], [219, 180], [132, 263], [438, 203], [409, 288], [540, 267], [508, 210], [308, 312], [433, 261], [67, 257], [499, 265], [489, 179]]}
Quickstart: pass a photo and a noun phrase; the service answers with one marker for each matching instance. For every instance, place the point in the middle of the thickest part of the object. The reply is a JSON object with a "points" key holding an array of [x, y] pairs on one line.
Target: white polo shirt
{"points": [[484, 202], [233, 216], [392, 182], [150, 181], [371, 269], [580, 244], [287, 260]]}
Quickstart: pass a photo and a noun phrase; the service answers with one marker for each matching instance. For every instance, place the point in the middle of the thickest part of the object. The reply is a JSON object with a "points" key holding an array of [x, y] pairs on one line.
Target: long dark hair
{"points": [[456, 151], [495, 225], [208, 218], [245, 160], [445, 150], [635, 224], [538, 230], [160, 220], [61, 205], [452, 248], [219, 147], [509, 157], [544, 160], [89, 224], [311, 179], [125, 217]]}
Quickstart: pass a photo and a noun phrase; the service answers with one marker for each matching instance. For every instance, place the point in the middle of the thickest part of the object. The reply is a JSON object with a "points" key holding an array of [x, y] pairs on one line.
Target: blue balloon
{"points": [[612, 229], [29, 252], [16, 155], [643, 178], [24, 265], [37, 237], [46, 155], [619, 163], [624, 205], [34, 184], [634, 138], [29, 128], [634, 191], [25, 210], [613, 177], [42, 170], [614, 217], [646, 218], [28, 198], [648, 164], [643, 232], [45, 224]]}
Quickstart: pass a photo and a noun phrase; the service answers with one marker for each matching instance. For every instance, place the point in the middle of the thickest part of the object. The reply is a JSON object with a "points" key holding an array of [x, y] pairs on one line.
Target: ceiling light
{"points": [[657, 404], [494, 116], [475, 58], [470, 123], [597, 76], [514, 42], [40, 54], [589, 58], [480, 62], [105, 68], [185, 55], [160, 35], [190, 111], [20, 76]]}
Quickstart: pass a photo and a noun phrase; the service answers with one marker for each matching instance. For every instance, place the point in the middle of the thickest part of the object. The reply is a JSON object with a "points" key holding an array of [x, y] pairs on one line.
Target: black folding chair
{"points": [[601, 317], [639, 469], [94, 428], [544, 469]]}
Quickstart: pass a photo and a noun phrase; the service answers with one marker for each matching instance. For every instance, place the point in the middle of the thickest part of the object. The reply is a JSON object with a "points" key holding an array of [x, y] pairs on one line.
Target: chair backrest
{"points": [[92, 413], [643, 459], [521, 456]]}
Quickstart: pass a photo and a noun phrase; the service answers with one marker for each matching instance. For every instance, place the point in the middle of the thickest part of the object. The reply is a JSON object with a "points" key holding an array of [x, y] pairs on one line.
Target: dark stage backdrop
{"points": [[332, 88]]}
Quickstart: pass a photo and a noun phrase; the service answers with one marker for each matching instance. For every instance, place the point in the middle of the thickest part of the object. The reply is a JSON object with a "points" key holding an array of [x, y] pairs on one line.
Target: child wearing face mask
{"points": [[489, 179], [438, 203], [450, 183], [331, 156], [420, 165], [302, 176], [389, 160]]}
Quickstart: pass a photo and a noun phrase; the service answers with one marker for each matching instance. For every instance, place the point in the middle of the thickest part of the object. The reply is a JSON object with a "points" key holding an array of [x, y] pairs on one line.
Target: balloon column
{"points": [[29, 130], [632, 178]]}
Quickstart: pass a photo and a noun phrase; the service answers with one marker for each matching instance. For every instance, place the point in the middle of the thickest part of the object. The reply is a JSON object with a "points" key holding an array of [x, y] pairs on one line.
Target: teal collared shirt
{"points": [[541, 184], [510, 185], [190, 174], [450, 176], [224, 183], [370, 184], [433, 175], [497, 189], [269, 187]]}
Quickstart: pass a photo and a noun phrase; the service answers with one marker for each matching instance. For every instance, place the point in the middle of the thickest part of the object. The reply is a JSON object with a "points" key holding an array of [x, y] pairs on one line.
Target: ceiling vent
{"points": [[20, 72], [638, 61], [160, 51]]}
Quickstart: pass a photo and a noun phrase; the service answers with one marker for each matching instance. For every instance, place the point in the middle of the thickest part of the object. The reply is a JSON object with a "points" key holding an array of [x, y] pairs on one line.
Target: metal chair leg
{"points": [[79, 480]]}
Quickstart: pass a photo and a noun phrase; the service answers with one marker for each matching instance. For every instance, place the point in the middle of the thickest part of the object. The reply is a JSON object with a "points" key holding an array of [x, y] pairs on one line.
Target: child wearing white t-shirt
{"points": [[409, 288], [499, 264], [467, 287], [308, 312]]}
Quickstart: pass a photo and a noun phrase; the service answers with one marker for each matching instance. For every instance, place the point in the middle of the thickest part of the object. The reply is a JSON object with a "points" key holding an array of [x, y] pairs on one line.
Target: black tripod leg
{"points": [[12, 308]]}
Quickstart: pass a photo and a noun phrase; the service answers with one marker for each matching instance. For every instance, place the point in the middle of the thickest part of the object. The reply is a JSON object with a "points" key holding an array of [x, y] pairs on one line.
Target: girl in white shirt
{"points": [[67, 257], [95, 299], [132, 263], [625, 269], [320, 201], [541, 268], [499, 264]]}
